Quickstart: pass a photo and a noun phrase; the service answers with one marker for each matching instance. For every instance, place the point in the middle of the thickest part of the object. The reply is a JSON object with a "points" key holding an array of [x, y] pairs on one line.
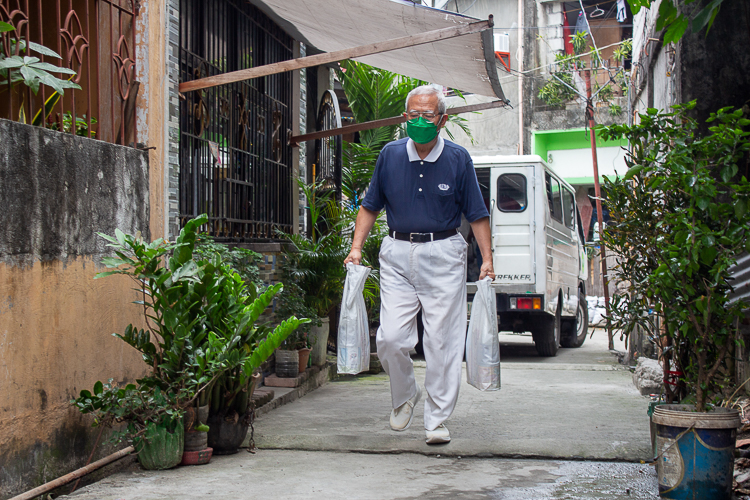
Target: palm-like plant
{"points": [[315, 262]]}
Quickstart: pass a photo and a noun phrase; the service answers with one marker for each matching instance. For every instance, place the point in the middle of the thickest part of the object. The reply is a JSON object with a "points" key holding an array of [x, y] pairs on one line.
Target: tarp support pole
{"points": [[295, 141]]}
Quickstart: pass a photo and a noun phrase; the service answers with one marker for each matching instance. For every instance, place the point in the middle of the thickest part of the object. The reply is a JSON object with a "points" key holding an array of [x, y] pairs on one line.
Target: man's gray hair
{"points": [[428, 90]]}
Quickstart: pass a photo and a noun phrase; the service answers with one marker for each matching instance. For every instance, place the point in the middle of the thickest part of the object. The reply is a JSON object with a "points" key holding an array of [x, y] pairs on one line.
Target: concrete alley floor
{"points": [[580, 404], [567, 427]]}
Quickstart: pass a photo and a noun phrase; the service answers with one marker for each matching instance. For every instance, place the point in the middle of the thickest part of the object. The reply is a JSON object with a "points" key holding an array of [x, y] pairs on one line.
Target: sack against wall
{"points": [[482, 345], [354, 332]]}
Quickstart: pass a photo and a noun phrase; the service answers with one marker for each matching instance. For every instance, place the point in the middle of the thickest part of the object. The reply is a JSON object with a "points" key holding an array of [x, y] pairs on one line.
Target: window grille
{"points": [[235, 161]]}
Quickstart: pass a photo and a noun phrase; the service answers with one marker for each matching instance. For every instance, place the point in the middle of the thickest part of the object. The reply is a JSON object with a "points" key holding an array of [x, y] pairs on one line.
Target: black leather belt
{"points": [[422, 237]]}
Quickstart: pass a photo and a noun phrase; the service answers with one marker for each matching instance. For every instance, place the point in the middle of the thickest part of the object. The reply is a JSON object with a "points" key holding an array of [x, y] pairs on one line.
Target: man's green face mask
{"points": [[421, 130]]}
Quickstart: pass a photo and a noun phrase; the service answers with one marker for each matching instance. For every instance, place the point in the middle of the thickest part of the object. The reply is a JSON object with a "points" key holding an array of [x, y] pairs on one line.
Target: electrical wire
{"points": [[555, 27], [591, 33], [467, 8]]}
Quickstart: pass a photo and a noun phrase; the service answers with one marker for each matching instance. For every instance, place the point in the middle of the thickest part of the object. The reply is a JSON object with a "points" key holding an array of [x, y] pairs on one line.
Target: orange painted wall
{"points": [[56, 325]]}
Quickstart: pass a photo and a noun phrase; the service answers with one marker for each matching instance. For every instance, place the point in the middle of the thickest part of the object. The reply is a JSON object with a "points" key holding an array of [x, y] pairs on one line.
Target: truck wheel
{"points": [[574, 331], [547, 335]]}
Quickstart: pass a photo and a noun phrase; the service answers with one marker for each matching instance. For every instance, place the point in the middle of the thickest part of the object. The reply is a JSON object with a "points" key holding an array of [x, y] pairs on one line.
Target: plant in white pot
{"points": [[679, 219]]}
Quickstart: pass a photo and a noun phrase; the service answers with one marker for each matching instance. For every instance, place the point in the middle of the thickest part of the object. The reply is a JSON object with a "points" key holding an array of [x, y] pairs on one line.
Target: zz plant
{"points": [[679, 219], [200, 333]]}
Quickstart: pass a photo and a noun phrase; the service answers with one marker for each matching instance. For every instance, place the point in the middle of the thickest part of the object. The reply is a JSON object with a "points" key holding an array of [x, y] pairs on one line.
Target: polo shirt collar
{"points": [[411, 150]]}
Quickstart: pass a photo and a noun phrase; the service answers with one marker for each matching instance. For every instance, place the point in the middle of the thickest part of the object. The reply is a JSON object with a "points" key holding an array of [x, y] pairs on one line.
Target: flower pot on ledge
{"points": [[287, 363], [319, 338], [304, 357]]}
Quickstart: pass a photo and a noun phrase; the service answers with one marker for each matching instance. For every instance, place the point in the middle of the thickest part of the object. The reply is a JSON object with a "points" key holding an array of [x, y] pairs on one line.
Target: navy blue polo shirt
{"points": [[425, 196]]}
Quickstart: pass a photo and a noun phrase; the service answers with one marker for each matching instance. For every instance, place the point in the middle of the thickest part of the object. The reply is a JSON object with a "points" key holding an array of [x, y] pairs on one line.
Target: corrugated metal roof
{"points": [[741, 281], [466, 63]]}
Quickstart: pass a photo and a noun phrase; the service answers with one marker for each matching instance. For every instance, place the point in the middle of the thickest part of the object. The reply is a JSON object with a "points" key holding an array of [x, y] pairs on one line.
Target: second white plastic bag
{"points": [[482, 344], [354, 332]]}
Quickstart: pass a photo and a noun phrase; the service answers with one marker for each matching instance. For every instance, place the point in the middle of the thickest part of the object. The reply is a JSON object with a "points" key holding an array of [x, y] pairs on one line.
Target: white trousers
{"points": [[432, 277]]}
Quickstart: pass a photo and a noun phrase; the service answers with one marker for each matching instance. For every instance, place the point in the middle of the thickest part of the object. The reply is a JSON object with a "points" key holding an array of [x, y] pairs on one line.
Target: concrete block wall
{"points": [[173, 119]]}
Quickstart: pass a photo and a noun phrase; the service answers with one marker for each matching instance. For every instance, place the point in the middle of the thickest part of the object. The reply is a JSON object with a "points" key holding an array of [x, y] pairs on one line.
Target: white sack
{"points": [[482, 344], [354, 332]]}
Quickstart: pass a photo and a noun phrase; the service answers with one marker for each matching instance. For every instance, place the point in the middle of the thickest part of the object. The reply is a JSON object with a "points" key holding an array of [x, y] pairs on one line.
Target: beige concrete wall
{"points": [[56, 325]]}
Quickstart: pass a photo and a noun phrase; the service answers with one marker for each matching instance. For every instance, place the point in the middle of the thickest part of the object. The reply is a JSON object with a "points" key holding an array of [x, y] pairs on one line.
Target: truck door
{"points": [[512, 224]]}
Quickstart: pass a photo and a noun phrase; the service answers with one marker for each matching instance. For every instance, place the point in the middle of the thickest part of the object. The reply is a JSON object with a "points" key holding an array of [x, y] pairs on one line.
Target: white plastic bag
{"points": [[482, 344], [354, 333]]}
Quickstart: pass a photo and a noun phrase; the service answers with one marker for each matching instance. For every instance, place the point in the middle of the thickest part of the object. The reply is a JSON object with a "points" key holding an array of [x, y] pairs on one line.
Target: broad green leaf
{"points": [[632, 172], [52, 68], [676, 29], [105, 274], [5, 27], [11, 62], [31, 79], [43, 50], [708, 255], [120, 237]]}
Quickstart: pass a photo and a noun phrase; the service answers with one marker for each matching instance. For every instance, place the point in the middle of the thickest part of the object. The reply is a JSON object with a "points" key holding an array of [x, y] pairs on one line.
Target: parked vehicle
{"points": [[538, 251]]}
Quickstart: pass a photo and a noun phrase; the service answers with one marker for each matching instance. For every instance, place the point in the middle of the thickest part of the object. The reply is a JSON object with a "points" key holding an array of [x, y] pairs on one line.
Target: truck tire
{"points": [[546, 334], [574, 331]]}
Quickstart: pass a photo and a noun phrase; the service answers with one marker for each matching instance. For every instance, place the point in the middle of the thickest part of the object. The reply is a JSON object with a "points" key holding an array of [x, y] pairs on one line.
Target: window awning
{"points": [[466, 63]]}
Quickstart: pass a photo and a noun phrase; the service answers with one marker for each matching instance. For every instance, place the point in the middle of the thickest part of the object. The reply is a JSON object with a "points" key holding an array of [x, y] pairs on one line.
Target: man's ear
{"points": [[443, 120]]}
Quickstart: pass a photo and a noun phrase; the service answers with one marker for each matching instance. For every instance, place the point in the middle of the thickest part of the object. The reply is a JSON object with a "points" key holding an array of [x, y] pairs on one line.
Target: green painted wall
{"points": [[577, 138], [544, 141]]}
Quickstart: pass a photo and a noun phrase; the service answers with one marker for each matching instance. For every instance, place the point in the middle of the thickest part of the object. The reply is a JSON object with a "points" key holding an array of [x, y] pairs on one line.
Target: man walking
{"points": [[425, 183]]}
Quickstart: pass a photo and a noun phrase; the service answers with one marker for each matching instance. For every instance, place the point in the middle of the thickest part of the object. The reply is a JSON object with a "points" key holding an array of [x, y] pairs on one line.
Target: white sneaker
{"points": [[438, 436], [402, 416]]}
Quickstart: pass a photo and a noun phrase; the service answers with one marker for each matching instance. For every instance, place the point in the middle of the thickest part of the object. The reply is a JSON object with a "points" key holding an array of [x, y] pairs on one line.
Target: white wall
{"points": [[571, 163], [495, 131]]}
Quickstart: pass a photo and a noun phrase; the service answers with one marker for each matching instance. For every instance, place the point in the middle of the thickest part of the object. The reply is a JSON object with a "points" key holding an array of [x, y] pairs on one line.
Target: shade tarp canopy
{"points": [[466, 63]]}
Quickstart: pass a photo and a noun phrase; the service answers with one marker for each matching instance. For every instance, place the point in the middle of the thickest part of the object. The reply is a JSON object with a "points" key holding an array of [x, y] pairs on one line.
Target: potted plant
{"points": [[291, 302], [152, 419], [302, 344], [679, 219], [315, 263], [200, 324]]}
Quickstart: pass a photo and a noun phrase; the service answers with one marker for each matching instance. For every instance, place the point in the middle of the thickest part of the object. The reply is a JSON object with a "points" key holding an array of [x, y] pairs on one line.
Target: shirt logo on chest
{"points": [[444, 187]]}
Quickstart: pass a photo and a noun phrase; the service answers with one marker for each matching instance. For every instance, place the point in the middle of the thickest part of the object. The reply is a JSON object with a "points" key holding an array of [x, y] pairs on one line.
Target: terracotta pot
{"points": [[304, 356], [197, 457]]}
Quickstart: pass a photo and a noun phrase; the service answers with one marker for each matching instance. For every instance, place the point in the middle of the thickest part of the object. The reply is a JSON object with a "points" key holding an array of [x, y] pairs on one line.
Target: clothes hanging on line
{"points": [[582, 26], [621, 11]]}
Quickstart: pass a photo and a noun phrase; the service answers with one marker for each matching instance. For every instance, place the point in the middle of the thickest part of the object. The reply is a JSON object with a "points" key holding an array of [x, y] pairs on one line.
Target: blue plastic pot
{"points": [[695, 452]]}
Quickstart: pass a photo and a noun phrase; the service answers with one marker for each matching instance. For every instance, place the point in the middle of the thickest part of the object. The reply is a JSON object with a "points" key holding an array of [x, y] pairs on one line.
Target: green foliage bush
{"points": [[679, 219]]}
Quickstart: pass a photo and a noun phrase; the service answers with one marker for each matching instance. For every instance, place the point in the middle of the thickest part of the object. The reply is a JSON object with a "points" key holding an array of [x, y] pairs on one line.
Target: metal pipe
{"points": [[61, 481], [599, 216], [519, 53]]}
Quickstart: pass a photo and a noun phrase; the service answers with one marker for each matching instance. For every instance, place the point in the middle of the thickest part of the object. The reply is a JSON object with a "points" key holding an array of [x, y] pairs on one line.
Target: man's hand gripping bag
{"points": [[482, 345], [354, 332]]}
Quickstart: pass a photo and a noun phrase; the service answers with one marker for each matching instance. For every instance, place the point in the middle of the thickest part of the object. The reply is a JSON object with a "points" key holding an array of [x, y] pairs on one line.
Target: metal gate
{"points": [[329, 150], [235, 161]]}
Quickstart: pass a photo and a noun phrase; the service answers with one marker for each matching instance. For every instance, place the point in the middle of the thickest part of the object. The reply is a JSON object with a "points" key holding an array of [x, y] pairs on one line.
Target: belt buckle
{"points": [[411, 237]]}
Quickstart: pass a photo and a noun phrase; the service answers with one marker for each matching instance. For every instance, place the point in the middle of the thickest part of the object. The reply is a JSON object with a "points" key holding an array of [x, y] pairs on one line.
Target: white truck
{"points": [[538, 251]]}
